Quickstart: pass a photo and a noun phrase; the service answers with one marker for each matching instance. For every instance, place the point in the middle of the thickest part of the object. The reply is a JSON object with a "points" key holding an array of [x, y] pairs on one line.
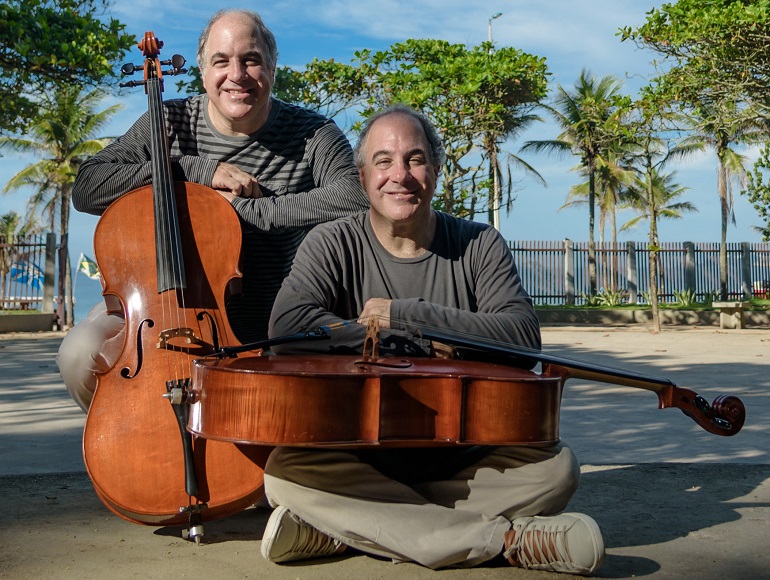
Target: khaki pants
{"points": [[457, 522]]}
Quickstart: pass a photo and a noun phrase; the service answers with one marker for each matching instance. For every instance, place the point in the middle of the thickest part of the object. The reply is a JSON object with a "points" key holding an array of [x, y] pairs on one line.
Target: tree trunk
{"points": [[66, 301], [448, 193], [591, 242], [494, 188], [653, 247], [614, 227], [724, 204]]}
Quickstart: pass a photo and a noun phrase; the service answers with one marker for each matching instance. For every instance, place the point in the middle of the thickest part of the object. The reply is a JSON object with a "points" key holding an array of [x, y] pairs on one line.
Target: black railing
{"points": [[557, 272]]}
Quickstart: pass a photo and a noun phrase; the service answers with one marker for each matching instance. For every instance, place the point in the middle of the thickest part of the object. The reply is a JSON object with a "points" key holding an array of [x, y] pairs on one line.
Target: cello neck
{"points": [[725, 416], [168, 244], [568, 368]]}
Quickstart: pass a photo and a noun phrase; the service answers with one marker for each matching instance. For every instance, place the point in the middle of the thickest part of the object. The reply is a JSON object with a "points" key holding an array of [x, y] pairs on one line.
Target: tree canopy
{"points": [[47, 42], [469, 93], [714, 47]]}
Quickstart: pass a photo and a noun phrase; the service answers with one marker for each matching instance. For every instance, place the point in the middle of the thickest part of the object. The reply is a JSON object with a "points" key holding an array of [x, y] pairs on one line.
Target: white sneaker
{"points": [[568, 542], [288, 538]]}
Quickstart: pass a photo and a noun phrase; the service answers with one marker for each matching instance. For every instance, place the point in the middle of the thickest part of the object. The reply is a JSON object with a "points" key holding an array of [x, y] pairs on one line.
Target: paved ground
{"points": [[672, 500]]}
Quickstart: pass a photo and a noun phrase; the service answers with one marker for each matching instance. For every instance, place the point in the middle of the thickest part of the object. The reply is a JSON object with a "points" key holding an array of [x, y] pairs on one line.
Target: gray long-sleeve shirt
{"points": [[305, 169], [467, 282]]}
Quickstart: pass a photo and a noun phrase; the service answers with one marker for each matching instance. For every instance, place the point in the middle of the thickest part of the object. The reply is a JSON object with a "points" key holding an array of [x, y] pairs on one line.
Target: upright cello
{"points": [[169, 254]]}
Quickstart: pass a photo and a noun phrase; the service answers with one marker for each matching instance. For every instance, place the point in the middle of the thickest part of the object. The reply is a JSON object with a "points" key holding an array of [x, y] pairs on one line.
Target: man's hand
{"points": [[232, 182], [379, 307]]}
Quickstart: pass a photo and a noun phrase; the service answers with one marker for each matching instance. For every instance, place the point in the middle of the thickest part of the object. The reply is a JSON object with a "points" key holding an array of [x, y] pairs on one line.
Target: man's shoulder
{"points": [[184, 109], [458, 224], [298, 115], [338, 228], [464, 237]]}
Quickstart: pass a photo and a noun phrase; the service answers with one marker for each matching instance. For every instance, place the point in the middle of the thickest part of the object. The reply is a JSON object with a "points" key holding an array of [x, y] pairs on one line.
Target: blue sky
{"points": [[571, 34]]}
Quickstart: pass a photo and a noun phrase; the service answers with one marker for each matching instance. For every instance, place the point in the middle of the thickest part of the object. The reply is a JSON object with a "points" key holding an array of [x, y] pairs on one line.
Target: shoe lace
{"points": [[535, 546]]}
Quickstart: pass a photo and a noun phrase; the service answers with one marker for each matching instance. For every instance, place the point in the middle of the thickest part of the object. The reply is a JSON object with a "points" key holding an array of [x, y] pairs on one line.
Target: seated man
{"points": [[411, 266]]}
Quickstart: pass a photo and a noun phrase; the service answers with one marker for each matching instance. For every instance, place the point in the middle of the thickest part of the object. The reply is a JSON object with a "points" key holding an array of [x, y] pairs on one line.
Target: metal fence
{"points": [[553, 272], [27, 272], [557, 272]]}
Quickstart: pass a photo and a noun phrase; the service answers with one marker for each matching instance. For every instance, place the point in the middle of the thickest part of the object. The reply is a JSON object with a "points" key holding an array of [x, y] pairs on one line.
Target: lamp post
{"points": [[491, 18], [493, 165]]}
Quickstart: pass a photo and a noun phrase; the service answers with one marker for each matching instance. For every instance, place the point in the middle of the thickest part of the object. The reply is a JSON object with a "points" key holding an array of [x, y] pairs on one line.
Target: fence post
{"points": [[689, 266], [633, 288], [49, 274], [569, 272], [746, 282]]}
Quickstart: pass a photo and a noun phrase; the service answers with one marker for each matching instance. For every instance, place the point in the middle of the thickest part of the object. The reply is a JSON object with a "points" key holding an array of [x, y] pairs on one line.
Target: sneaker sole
{"points": [[596, 536], [274, 524]]}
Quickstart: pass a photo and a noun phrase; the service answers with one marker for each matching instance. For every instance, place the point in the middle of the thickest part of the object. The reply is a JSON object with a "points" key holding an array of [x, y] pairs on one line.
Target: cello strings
{"points": [[169, 261], [494, 346]]}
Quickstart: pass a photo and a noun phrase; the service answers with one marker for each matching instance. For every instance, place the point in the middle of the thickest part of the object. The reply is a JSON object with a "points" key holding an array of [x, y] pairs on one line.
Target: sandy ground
{"points": [[672, 500]]}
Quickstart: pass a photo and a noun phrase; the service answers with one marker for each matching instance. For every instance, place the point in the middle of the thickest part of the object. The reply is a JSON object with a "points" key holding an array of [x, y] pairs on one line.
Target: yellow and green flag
{"points": [[88, 267]]}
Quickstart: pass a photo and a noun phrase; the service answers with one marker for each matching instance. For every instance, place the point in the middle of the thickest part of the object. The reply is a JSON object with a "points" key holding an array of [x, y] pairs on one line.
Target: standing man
{"points": [[283, 168], [410, 266]]}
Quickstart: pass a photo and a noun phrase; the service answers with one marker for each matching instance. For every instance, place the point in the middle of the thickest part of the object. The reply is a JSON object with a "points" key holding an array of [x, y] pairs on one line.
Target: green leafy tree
{"points": [[758, 190], [614, 175], [52, 42], [715, 58], [62, 136], [587, 118], [711, 48], [475, 96], [9, 224]]}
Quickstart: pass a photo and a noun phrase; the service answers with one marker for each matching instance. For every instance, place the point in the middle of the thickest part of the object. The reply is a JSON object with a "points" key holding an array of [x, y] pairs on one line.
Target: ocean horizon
{"points": [[87, 293]]}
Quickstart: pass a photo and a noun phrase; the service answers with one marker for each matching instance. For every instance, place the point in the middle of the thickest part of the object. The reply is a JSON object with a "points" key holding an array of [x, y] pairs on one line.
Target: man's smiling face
{"points": [[237, 77]]}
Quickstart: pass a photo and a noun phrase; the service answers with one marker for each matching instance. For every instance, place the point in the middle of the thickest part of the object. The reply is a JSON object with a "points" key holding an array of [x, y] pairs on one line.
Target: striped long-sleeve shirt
{"points": [[304, 165]]}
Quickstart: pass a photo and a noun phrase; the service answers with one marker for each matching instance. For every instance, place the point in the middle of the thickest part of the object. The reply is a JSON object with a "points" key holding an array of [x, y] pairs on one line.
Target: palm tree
{"points": [[665, 192], [654, 197], [717, 127], [614, 175], [585, 116], [62, 135]]}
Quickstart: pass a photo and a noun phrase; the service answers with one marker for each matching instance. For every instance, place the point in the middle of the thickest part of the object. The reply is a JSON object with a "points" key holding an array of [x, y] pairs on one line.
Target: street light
{"points": [[493, 17]]}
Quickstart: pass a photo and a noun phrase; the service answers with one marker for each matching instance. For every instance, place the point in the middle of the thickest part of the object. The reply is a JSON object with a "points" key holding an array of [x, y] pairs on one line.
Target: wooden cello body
{"points": [[169, 255], [349, 401]]}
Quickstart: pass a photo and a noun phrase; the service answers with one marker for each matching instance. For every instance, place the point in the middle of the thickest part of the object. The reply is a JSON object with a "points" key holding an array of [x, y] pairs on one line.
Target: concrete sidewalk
{"points": [[673, 501]]}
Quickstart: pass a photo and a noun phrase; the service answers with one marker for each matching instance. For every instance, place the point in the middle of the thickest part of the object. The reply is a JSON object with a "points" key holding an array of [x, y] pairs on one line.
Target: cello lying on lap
{"points": [[168, 254], [362, 401]]}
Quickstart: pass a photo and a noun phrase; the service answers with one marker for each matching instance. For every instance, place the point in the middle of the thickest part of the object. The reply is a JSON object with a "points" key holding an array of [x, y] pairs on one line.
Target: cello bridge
{"points": [[186, 336]]}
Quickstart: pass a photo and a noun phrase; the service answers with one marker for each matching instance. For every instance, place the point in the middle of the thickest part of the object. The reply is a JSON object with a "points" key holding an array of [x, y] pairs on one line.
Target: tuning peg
{"points": [[131, 84], [129, 69], [177, 61]]}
